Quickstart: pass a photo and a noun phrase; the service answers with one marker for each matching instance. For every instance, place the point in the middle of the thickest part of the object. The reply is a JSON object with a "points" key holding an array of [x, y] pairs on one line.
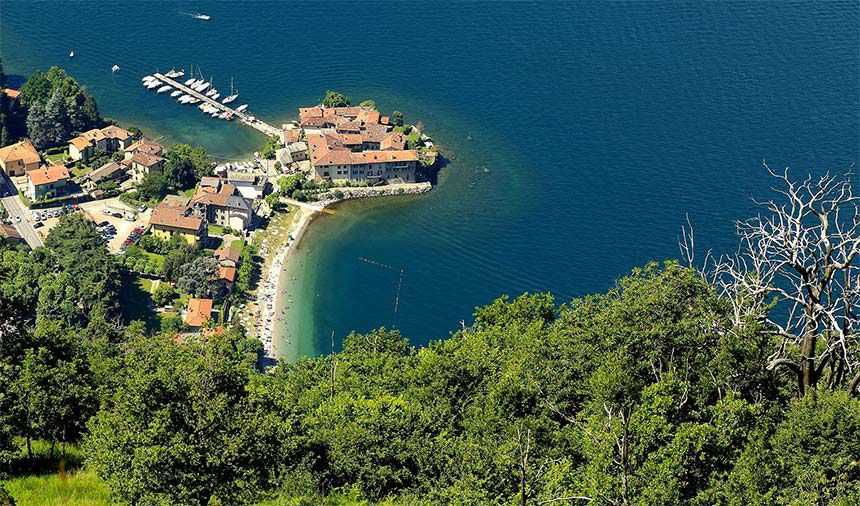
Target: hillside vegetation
{"points": [[673, 387]]}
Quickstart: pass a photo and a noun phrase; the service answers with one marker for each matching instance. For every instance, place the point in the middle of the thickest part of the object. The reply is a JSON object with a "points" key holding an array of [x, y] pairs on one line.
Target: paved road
{"points": [[15, 208]]}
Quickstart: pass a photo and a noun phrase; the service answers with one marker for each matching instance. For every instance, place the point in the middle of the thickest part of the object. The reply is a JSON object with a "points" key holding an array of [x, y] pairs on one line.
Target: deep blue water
{"points": [[580, 133]]}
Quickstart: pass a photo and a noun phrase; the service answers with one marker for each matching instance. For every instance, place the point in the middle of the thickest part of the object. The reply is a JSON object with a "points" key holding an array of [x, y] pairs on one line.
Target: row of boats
{"points": [[199, 85]]}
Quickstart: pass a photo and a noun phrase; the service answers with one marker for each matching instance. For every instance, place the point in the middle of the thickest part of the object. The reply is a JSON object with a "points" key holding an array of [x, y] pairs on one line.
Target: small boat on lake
{"points": [[164, 88], [241, 107], [114, 69], [188, 82], [153, 84], [176, 93]]}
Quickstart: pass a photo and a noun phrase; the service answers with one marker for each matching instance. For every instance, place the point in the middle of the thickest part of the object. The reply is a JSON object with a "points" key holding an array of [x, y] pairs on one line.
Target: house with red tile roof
{"points": [[173, 217], [107, 140], [333, 160], [356, 144], [16, 159], [223, 205], [47, 182], [144, 163], [198, 312]]}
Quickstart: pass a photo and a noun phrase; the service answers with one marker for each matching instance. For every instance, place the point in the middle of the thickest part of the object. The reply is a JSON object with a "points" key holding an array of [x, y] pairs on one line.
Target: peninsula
{"points": [[204, 244]]}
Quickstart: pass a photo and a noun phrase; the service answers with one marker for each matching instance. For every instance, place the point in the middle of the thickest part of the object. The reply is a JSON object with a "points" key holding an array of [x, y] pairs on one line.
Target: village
{"points": [[225, 216]]}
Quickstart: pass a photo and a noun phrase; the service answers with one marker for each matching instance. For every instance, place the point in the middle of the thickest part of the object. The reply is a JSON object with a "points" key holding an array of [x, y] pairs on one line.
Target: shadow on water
{"points": [[431, 173], [15, 81]]}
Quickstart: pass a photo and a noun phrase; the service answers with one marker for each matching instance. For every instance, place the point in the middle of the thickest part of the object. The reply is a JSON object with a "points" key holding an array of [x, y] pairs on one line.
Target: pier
{"points": [[244, 117]]}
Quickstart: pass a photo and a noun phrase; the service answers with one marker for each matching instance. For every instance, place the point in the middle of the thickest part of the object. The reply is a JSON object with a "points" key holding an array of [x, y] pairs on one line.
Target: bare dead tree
{"points": [[796, 269]]}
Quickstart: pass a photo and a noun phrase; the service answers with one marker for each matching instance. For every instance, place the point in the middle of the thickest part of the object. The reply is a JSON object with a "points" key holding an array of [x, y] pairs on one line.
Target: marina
{"points": [[200, 91]]}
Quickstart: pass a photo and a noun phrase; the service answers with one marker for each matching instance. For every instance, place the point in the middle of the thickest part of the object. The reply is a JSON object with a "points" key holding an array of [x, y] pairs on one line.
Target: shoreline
{"points": [[272, 325], [268, 300]]}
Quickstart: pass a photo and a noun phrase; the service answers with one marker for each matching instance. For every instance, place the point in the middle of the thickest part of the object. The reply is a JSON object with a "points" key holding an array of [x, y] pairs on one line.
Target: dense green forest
{"points": [[51, 108], [682, 384]]}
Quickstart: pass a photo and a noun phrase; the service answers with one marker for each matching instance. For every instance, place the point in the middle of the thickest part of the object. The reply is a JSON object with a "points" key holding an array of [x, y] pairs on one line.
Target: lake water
{"points": [[580, 134]]}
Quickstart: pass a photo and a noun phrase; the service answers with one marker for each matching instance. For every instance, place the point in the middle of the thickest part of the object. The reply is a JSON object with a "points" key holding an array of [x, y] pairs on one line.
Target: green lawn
{"points": [[76, 488], [216, 229], [136, 302], [155, 257], [56, 157], [81, 171], [45, 481]]}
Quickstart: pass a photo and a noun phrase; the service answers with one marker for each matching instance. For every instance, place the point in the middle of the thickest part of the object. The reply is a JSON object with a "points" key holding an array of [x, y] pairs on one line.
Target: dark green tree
{"points": [[335, 99]]}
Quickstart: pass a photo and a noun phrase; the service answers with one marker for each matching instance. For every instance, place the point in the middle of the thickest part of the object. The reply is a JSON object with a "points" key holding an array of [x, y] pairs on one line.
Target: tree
{"points": [[79, 111], [248, 271], [175, 258], [199, 278], [397, 118], [152, 187], [190, 409], [185, 165], [809, 457], [368, 104], [335, 99], [164, 295], [797, 270], [49, 126]]}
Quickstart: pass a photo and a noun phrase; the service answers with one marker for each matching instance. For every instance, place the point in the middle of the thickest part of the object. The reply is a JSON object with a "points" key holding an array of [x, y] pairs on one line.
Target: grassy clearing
{"points": [[81, 171], [76, 488], [56, 157], [215, 229], [44, 480], [136, 302]]}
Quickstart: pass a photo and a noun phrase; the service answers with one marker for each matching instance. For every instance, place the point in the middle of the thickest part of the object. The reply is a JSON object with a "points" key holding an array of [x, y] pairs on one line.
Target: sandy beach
{"points": [[277, 301], [267, 316]]}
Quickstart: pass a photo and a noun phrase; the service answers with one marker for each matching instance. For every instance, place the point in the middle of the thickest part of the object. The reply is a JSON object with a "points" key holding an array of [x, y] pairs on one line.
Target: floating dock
{"points": [[244, 117]]}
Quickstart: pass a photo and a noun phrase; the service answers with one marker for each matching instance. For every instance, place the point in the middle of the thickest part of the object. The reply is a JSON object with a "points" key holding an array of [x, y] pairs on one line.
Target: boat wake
{"points": [[198, 15]]}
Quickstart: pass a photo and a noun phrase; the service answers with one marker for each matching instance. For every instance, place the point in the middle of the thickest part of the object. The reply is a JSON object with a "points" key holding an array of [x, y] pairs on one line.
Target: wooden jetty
{"points": [[244, 117]]}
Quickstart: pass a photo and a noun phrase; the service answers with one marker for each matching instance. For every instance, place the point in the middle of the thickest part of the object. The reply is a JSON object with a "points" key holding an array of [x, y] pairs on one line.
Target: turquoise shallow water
{"points": [[580, 133]]}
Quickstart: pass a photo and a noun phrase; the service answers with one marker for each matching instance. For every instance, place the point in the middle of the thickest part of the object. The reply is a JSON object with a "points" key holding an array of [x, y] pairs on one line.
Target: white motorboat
{"points": [[203, 87], [211, 92], [155, 83], [72, 53], [215, 96], [114, 69], [176, 93], [242, 107], [164, 88], [201, 16], [193, 100], [184, 99], [147, 78], [189, 82]]}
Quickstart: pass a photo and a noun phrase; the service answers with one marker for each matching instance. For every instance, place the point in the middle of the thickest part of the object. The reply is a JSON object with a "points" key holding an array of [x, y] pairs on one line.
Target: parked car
{"points": [[37, 224]]}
